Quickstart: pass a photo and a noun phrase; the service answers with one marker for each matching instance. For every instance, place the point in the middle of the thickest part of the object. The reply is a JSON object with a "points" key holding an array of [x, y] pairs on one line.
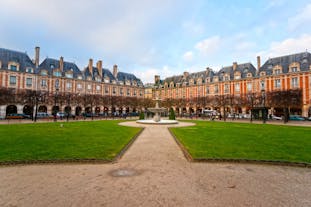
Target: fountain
{"points": [[157, 116]]}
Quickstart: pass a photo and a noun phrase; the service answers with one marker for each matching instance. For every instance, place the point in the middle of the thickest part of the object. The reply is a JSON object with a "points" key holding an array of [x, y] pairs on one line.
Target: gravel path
{"points": [[154, 172]]}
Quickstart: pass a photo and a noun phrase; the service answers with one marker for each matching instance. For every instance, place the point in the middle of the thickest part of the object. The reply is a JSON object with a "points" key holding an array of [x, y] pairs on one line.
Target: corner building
{"points": [[56, 76], [193, 90]]}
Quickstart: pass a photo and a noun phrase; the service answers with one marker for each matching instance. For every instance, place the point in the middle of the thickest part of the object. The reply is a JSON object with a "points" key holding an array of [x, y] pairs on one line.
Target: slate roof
{"points": [[243, 68], [20, 57], [50, 64], [303, 58]]}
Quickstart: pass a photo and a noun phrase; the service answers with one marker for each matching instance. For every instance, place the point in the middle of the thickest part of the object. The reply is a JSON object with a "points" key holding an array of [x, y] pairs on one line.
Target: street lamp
{"points": [[55, 98], [263, 95]]}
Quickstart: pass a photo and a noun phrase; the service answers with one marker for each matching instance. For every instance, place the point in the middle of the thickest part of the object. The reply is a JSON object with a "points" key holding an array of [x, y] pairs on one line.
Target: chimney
{"points": [[115, 71], [258, 62], [156, 79], [186, 74], [61, 64], [235, 66], [37, 56], [99, 66], [91, 66]]}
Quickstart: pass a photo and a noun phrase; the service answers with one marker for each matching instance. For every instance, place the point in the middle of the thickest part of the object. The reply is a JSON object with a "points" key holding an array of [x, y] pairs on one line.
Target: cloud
{"points": [[188, 56], [288, 46], [302, 19], [149, 73], [193, 28], [209, 45], [274, 3]]}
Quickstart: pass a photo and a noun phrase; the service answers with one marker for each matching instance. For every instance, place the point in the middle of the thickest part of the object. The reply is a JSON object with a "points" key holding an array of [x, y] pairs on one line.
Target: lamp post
{"points": [[250, 98], [55, 98], [263, 96]]}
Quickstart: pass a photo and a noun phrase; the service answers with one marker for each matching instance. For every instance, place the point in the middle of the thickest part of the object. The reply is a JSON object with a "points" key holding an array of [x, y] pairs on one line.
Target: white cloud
{"points": [[302, 19], [209, 45], [147, 76], [245, 46], [193, 28], [188, 56], [288, 46], [274, 3]]}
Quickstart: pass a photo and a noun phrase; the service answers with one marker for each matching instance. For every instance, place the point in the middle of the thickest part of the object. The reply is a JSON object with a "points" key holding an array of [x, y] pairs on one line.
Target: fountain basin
{"points": [[150, 121]]}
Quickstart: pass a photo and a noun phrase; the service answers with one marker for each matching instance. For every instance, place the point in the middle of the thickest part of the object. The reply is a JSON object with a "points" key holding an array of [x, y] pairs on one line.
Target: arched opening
{"points": [[43, 109], [67, 109], [55, 109], [97, 110], [28, 110], [78, 110], [88, 110], [11, 109], [309, 112], [127, 110]]}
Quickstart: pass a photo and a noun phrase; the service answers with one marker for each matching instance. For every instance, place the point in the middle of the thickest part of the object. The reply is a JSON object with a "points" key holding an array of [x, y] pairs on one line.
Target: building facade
{"points": [[195, 92], [56, 77]]}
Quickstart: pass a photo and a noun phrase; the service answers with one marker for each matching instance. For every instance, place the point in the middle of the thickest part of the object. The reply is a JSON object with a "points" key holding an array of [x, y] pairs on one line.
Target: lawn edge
{"points": [[76, 161], [241, 161]]}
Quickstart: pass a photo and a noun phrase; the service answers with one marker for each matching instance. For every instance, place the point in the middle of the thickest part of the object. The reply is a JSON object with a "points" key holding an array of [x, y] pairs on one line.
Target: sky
{"points": [[157, 37]]}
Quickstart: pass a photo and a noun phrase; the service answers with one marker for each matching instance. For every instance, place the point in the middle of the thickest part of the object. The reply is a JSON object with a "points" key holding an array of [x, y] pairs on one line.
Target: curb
{"points": [[241, 161]]}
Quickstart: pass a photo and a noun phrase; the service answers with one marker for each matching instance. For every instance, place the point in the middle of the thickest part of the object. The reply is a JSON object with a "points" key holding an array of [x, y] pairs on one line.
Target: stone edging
{"points": [[74, 161], [245, 161]]}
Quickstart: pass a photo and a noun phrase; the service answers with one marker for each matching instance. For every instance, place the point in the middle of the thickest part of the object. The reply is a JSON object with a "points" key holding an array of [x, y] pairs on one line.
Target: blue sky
{"points": [[157, 37]]}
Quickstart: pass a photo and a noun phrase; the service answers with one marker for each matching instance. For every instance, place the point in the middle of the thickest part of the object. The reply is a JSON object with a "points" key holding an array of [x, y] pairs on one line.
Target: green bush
{"points": [[142, 115], [172, 114]]}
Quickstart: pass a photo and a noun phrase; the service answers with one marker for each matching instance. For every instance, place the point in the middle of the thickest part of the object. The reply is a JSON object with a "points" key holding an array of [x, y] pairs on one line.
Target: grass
{"points": [[101, 140], [219, 140]]}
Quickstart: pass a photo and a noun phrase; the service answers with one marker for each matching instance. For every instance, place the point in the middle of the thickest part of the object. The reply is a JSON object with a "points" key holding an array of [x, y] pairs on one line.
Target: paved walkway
{"points": [[154, 172]]}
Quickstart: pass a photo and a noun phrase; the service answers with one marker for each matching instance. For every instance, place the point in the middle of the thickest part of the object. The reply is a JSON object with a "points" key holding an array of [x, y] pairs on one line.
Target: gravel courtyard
{"points": [[154, 172]]}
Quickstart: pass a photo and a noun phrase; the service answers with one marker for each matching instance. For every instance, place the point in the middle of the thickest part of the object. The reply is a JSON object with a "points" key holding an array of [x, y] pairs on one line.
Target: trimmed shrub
{"points": [[142, 115]]}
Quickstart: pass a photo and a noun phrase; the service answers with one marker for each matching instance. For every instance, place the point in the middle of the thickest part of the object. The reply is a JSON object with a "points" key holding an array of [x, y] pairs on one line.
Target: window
{"points": [[106, 89], [249, 86], [44, 72], [294, 69], [216, 89], [29, 70], [114, 90], [12, 80], [89, 87], [80, 77], [68, 85], [28, 82], [134, 92], [43, 83], [79, 86], [98, 87], [121, 91], [227, 88], [294, 82], [237, 77], [140, 93], [69, 75], [98, 79], [226, 78], [13, 67], [207, 89], [52, 66], [277, 71], [57, 73], [128, 92], [277, 83], [262, 85], [237, 87]]}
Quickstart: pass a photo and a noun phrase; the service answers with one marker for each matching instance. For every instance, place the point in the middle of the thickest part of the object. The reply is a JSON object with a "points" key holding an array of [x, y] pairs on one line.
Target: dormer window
{"points": [[277, 71], [249, 75], [215, 79], [106, 80], [80, 77], [263, 73], [294, 69], [43, 72], [98, 79], [29, 70], [57, 73], [69, 75], [270, 67], [89, 78], [226, 78], [207, 80], [13, 67], [52, 66]]}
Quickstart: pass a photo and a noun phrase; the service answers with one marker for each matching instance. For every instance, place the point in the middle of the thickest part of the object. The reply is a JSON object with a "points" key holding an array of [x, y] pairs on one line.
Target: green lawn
{"points": [[101, 140], [219, 140]]}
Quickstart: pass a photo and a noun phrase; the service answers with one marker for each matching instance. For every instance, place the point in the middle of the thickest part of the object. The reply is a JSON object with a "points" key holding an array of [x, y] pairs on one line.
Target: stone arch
{"points": [[11, 109], [28, 110]]}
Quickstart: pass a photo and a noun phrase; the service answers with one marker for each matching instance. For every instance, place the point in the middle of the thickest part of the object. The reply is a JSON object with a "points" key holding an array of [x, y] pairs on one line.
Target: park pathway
{"points": [[154, 172]]}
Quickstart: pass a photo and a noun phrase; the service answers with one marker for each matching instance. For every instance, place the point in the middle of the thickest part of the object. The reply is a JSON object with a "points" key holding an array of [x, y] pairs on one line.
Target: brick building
{"points": [[239, 81], [56, 76]]}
